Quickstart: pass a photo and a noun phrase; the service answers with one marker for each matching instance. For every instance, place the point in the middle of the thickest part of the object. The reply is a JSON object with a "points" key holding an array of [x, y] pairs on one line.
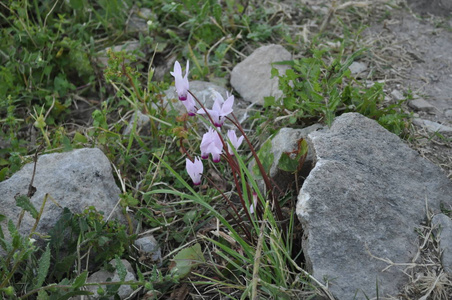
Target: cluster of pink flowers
{"points": [[212, 143]]}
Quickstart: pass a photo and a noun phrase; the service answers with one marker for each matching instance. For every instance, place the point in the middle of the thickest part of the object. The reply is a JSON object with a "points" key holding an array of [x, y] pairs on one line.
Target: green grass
{"points": [[49, 69]]}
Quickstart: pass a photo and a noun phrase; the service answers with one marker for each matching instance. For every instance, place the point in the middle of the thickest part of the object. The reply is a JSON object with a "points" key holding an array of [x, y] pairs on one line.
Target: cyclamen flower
{"points": [[190, 105], [194, 169], [180, 82], [211, 144], [220, 109], [236, 142]]}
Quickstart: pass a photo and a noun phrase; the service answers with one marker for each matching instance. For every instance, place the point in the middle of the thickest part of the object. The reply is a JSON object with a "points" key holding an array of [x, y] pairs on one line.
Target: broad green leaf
{"points": [[80, 280], [79, 138], [265, 156], [3, 173], [186, 259], [42, 295], [122, 272], [43, 268], [24, 202], [289, 164]]}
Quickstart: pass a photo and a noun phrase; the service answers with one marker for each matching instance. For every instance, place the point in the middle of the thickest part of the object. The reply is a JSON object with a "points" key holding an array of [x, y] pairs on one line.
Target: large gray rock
{"points": [[76, 180], [444, 230], [367, 192], [252, 77]]}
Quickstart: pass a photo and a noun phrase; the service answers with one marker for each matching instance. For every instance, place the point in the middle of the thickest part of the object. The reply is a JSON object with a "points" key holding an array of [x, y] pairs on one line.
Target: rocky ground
{"points": [[417, 44]]}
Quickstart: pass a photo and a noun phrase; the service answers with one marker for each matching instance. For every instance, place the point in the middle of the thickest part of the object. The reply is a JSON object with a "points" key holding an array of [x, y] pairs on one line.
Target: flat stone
{"points": [[124, 290], [448, 114], [432, 126], [141, 120], [77, 180], [444, 229], [421, 105], [251, 78], [149, 247], [357, 67], [397, 95], [140, 21], [366, 194]]}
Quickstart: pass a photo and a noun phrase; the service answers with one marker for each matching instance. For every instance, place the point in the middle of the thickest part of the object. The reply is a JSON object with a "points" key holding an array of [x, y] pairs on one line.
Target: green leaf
{"points": [[3, 173], [265, 156], [24, 202], [43, 268], [122, 272], [269, 101], [80, 280], [289, 164], [186, 260], [79, 138], [42, 295]]}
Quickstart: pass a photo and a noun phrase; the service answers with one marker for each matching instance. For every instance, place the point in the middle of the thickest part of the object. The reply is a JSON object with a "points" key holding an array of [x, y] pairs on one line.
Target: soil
{"points": [[416, 53]]}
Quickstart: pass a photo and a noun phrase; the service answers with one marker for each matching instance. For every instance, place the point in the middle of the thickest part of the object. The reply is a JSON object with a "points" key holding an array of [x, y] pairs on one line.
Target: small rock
{"points": [[357, 67], [252, 77], [397, 95], [141, 121], [104, 276], [448, 114], [128, 47], [421, 105], [140, 20], [149, 247], [432, 126], [444, 229]]}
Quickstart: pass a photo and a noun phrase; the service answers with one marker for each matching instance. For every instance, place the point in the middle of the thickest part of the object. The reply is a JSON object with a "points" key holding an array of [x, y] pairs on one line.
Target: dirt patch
{"points": [[435, 7], [413, 56]]}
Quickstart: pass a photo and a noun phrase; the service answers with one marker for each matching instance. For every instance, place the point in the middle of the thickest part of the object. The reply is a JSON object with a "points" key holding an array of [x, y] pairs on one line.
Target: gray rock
{"points": [[432, 126], [252, 77], [141, 120], [357, 67], [128, 47], [286, 140], [367, 192], [448, 114], [76, 180], [149, 247], [140, 21], [421, 105], [104, 276], [397, 95], [444, 229]]}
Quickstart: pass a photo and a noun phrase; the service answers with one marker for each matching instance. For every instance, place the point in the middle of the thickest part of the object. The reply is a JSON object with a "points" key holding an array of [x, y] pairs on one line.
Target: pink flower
{"points": [[190, 105], [194, 169], [180, 82], [236, 142], [220, 109], [211, 144]]}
